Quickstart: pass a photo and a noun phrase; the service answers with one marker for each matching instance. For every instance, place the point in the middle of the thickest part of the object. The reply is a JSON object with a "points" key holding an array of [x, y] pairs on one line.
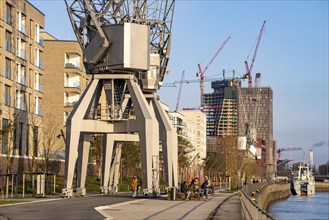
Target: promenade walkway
{"points": [[219, 206]]}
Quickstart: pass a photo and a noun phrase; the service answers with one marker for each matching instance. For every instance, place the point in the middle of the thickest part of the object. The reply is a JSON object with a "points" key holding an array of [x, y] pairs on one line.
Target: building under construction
{"points": [[230, 109], [221, 109]]}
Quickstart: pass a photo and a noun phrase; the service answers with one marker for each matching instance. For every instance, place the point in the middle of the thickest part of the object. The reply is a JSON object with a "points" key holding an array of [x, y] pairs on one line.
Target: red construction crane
{"points": [[287, 149], [180, 90], [202, 72], [249, 70]]}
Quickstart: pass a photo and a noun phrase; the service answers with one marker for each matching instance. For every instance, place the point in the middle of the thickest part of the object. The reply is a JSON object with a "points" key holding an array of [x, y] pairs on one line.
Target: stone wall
{"points": [[271, 193]]}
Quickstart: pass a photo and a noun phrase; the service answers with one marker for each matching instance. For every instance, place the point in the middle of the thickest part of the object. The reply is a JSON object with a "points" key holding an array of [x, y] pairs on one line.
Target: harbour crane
{"points": [[249, 69], [202, 72], [287, 149], [126, 47], [180, 91]]}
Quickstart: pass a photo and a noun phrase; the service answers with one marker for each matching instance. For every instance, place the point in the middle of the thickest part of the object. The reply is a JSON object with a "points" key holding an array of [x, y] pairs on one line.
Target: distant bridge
{"points": [[321, 178]]}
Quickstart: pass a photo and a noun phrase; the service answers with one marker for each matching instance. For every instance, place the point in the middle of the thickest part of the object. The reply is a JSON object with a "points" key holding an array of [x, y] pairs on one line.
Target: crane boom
{"points": [[249, 69], [180, 90], [202, 72], [287, 149]]}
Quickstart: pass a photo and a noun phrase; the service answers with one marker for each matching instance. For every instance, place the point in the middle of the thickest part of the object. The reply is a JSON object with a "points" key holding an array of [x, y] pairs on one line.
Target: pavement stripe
{"points": [[101, 209]]}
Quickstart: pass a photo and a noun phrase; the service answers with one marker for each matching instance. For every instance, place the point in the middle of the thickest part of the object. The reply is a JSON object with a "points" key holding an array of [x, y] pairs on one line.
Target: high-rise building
{"points": [[65, 79], [197, 121], [247, 99], [220, 109], [230, 108], [21, 72]]}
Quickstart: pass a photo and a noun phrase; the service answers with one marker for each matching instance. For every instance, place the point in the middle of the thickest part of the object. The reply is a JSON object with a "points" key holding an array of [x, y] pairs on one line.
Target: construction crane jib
{"points": [[126, 49], [202, 72], [249, 69]]}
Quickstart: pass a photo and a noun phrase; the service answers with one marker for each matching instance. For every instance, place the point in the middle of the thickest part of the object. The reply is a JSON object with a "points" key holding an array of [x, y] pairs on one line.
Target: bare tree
{"points": [[48, 139], [8, 132], [96, 152], [34, 140]]}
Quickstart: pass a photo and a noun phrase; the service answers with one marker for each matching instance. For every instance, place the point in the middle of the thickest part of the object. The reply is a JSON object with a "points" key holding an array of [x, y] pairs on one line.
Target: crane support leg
{"points": [[83, 154], [116, 169], [108, 144], [148, 130], [168, 137], [73, 130]]}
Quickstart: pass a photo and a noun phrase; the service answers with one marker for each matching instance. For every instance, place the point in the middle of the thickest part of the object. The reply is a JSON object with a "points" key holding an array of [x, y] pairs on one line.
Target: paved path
{"points": [[123, 206], [161, 208]]}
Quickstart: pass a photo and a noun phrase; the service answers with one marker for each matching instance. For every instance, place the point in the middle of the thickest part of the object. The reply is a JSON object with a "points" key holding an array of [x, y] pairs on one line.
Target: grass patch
{"points": [[6, 202]]}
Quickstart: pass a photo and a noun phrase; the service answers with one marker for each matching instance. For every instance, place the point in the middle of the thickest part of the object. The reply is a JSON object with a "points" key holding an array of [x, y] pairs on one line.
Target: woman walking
{"points": [[134, 183]]}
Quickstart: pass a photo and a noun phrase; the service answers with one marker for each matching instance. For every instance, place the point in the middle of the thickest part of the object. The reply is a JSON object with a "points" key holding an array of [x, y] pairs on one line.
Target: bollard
{"points": [[173, 193]]}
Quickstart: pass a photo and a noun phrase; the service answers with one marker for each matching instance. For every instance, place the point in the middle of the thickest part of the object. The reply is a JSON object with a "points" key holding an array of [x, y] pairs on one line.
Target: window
{"points": [[21, 22], [36, 106], [5, 123], [36, 57], [37, 33], [27, 144], [9, 18], [20, 140], [8, 68], [20, 99], [7, 96], [8, 41], [21, 74], [35, 140], [20, 48]]}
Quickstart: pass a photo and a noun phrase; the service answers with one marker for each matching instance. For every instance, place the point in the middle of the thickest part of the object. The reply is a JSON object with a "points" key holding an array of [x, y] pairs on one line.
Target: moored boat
{"points": [[304, 183]]}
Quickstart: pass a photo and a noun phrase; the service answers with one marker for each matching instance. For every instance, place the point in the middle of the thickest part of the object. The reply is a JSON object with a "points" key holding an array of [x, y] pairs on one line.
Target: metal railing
{"points": [[72, 84], [73, 64], [251, 210], [70, 104]]}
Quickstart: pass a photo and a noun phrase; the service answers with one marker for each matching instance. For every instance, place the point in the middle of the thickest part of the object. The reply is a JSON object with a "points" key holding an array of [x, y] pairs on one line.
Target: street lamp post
{"points": [[212, 167], [188, 166]]}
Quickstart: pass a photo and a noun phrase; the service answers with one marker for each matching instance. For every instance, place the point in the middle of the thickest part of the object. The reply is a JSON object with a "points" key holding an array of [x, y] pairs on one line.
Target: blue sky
{"points": [[292, 57]]}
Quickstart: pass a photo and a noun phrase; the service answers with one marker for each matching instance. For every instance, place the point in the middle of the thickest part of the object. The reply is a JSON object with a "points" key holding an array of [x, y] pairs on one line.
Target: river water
{"points": [[302, 207]]}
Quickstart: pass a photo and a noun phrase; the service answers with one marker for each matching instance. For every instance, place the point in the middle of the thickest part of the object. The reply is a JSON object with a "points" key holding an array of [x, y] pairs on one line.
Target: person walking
{"points": [[134, 183], [205, 186], [139, 184]]}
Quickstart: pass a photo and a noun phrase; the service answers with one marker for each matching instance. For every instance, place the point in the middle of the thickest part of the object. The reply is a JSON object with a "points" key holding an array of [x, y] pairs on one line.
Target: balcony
{"points": [[70, 104], [72, 84], [73, 64]]}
